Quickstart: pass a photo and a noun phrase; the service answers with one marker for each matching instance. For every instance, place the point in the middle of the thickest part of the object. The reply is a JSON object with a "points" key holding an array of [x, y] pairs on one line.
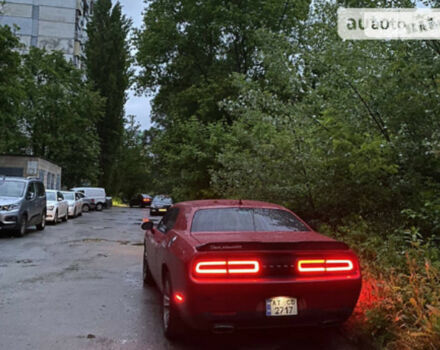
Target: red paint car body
{"points": [[222, 280]]}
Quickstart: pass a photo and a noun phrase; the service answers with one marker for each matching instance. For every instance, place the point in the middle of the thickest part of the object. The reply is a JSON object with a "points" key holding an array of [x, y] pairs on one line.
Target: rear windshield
{"points": [[245, 219], [12, 189], [162, 201]]}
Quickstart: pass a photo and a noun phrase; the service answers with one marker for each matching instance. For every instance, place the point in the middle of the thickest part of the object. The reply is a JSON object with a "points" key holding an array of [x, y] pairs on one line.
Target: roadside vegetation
{"points": [[262, 100]]}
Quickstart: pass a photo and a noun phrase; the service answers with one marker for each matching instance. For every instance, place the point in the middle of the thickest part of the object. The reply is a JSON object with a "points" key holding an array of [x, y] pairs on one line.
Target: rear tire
{"points": [[99, 207], [42, 225], [147, 277], [171, 322], [85, 208]]}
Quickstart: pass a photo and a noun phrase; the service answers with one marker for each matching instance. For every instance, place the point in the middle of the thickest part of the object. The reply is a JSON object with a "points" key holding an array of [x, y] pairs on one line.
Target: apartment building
{"points": [[50, 24]]}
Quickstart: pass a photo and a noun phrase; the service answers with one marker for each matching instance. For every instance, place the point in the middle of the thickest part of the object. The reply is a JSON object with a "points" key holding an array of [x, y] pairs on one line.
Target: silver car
{"points": [[22, 204], [75, 203]]}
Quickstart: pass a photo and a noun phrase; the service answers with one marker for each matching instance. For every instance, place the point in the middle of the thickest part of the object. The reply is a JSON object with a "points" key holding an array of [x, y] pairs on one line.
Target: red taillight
{"points": [[311, 265], [146, 200], [211, 268], [246, 266], [339, 265], [226, 267], [325, 265]]}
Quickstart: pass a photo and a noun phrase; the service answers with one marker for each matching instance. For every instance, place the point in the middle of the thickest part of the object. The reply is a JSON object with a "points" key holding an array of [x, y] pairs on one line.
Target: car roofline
{"points": [[228, 203]]}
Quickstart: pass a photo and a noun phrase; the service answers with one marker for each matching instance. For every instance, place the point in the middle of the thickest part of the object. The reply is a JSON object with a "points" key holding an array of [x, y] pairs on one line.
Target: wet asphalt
{"points": [[78, 285]]}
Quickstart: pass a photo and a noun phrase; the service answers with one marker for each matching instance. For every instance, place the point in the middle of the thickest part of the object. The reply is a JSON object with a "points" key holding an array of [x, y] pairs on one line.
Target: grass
{"points": [[399, 305], [117, 202]]}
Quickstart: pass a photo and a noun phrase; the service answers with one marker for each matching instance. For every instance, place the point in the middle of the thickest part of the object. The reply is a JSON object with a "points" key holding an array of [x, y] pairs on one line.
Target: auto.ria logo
{"points": [[389, 24]]}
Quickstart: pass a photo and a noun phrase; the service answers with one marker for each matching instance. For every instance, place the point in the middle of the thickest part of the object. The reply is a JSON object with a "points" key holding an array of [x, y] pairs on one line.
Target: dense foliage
{"points": [[60, 112], [253, 103], [108, 69], [10, 91], [48, 110]]}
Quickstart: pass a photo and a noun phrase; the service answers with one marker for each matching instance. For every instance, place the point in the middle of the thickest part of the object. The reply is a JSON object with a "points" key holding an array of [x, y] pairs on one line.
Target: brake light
{"points": [[211, 267], [311, 265], [226, 267], [339, 265], [327, 265]]}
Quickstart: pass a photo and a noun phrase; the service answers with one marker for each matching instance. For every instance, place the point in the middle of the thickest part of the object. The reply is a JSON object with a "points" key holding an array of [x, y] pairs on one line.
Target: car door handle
{"points": [[171, 241]]}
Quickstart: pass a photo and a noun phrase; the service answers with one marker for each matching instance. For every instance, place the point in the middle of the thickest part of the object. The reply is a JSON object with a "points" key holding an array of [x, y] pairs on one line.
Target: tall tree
{"points": [[108, 63], [188, 49], [189, 52], [134, 169], [59, 114], [11, 91]]}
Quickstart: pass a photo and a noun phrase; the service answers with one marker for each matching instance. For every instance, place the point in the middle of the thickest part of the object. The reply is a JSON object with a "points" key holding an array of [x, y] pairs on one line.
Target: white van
{"points": [[95, 194]]}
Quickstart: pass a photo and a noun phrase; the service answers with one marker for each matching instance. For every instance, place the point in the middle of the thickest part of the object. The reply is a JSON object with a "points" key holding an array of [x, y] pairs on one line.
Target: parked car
{"points": [[87, 204], [140, 200], [75, 203], [160, 205], [57, 207], [95, 194], [22, 204], [224, 265]]}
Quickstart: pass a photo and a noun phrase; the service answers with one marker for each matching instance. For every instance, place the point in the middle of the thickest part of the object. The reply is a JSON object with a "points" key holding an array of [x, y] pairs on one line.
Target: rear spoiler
{"points": [[314, 245]]}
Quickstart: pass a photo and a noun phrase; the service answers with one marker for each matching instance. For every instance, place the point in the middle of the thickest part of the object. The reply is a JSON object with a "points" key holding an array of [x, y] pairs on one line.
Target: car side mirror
{"points": [[147, 225], [30, 196]]}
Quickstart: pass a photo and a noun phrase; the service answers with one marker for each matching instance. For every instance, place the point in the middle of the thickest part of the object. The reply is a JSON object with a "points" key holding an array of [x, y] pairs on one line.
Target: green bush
{"points": [[399, 306]]}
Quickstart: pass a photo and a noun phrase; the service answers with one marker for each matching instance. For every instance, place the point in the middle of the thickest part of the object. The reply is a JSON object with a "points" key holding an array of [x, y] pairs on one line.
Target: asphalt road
{"points": [[78, 285]]}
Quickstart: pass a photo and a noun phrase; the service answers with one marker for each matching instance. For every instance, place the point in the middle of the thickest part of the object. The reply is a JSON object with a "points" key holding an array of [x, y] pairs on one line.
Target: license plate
{"points": [[162, 210], [281, 306]]}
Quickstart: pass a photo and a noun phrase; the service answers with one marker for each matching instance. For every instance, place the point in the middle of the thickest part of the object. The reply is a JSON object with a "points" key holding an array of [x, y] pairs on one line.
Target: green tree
{"points": [[189, 52], [188, 49], [108, 69], [11, 92], [59, 115], [134, 163]]}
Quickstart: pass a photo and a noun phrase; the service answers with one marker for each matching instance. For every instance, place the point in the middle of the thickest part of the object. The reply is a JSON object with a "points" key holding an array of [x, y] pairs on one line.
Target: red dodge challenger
{"points": [[227, 264]]}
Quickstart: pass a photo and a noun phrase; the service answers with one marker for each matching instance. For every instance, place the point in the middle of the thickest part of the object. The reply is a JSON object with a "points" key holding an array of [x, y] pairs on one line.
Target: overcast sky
{"points": [[138, 106]]}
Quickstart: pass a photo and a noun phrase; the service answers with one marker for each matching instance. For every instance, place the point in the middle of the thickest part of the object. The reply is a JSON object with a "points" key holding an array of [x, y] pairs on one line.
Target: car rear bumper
{"points": [[243, 306], [50, 215], [154, 211]]}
